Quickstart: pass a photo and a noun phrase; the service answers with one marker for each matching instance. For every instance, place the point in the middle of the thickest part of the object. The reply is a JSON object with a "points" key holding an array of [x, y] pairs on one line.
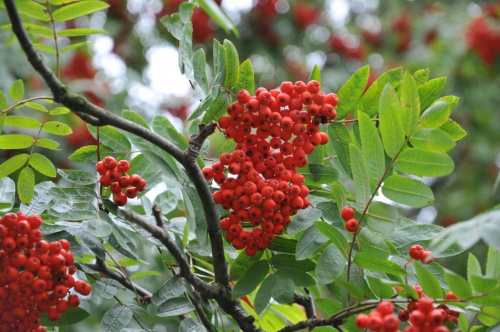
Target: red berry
{"points": [[352, 225], [123, 166], [451, 296], [416, 251], [347, 213], [385, 308], [109, 163], [361, 321], [120, 199], [427, 257]]}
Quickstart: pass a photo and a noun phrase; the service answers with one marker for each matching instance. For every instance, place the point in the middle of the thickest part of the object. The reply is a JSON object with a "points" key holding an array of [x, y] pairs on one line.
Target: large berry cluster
{"points": [[421, 315], [36, 276], [274, 130], [114, 175]]}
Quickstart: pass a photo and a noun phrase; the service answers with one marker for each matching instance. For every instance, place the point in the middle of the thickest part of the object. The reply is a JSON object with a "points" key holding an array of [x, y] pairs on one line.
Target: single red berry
{"points": [[385, 308], [403, 315], [131, 192], [416, 251], [352, 225], [451, 296], [123, 166], [425, 305], [390, 323], [73, 301], [120, 199], [109, 163], [347, 213], [361, 321]]}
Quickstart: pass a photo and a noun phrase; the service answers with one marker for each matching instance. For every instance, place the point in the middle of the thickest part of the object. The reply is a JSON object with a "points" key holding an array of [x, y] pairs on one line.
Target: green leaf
{"points": [[482, 284], [74, 46], [13, 164], [458, 285], [116, 318], [366, 261], [304, 219], [145, 274], [410, 104], [351, 92], [370, 101], [88, 153], [45, 48], [350, 287], [7, 193], [3, 100], [15, 141], [263, 295], [191, 325], [411, 192], [421, 76], [99, 227], [31, 9], [57, 128], [331, 264], [493, 263], [315, 74], [309, 242], [281, 261], [77, 176], [218, 107], [77, 9], [454, 130], [242, 264], [251, 279], [428, 92], [282, 244], [341, 138], [436, 115], [232, 64], [106, 288], [316, 174], [26, 185], [245, 77], [171, 288], [373, 150], [112, 138], [379, 288], [412, 234], [200, 69], [360, 178], [42, 164], [161, 125], [218, 15], [196, 217], [41, 199], [373, 244], [35, 106], [78, 32], [473, 267], [21, 122], [16, 90], [283, 289], [424, 163], [328, 306], [334, 236], [430, 284], [323, 329], [432, 139], [391, 127], [72, 316], [174, 307], [382, 217]]}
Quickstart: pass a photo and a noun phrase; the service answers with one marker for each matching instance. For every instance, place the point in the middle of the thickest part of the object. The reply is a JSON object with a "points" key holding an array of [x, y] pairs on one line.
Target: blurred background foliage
{"points": [[135, 67]]}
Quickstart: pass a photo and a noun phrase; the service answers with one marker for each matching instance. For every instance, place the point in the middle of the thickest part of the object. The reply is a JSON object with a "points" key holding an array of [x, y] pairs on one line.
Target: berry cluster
{"points": [[347, 214], [418, 253], [114, 175], [421, 315], [36, 276], [274, 130]]}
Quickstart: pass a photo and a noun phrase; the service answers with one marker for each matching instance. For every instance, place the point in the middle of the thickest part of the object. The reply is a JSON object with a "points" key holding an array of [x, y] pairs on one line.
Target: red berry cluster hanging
{"points": [[36, 276], [421, 315], [114, 175], [418, 253], [347, 213], [274, 130]]}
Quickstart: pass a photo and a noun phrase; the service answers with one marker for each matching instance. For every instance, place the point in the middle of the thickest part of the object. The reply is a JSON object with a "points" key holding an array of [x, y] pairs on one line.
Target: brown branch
{"points": [[102, 268], [201, 313], [211, 291], [307, 302]]}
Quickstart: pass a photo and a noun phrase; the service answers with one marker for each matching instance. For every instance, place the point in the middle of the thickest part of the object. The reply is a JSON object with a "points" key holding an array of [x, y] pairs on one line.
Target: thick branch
{"points": [[102, 268], [212, 291], [207, 290]]}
